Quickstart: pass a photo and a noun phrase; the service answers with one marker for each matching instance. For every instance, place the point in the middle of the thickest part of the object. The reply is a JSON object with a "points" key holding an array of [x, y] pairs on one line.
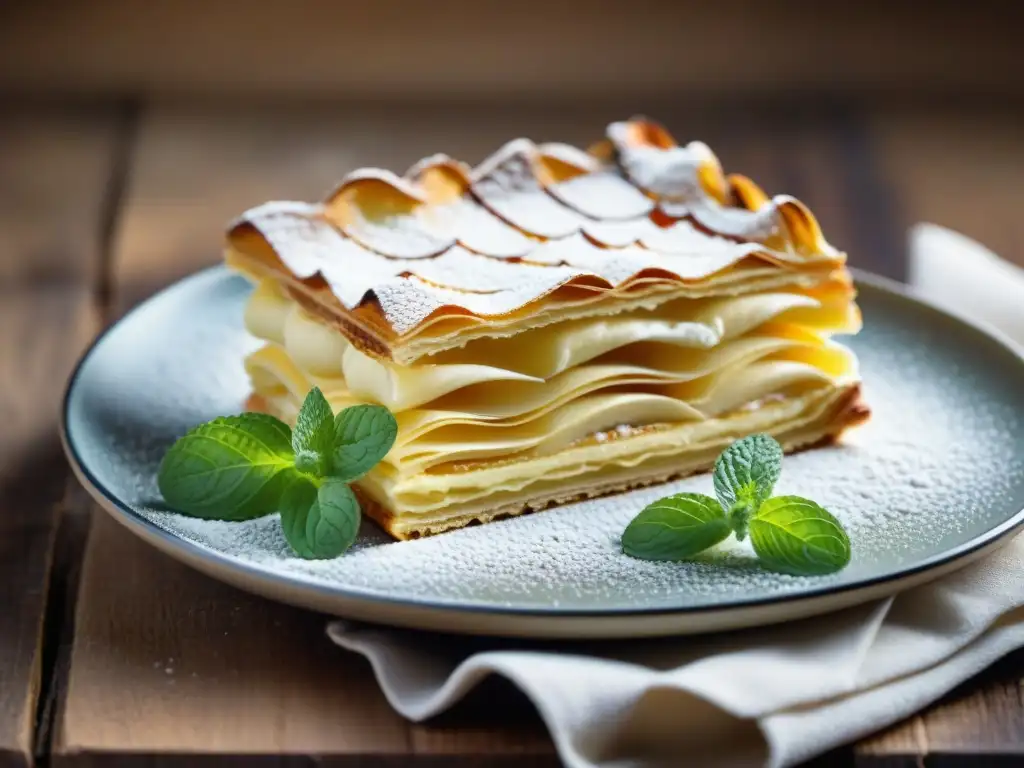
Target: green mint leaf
{"points": [[319, 523], [747, 471], [363, 435], [338, 523], [796, 536], [231, 468], [296, 503], [675, 528], [313, 437]]}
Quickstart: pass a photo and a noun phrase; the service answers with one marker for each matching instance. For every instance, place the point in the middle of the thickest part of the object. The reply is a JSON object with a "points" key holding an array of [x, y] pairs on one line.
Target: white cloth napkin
{"points": [[773, 696]]}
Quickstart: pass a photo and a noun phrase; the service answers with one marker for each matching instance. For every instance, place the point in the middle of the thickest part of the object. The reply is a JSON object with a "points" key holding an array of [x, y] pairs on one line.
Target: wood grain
{"points": [[983, 716], [391, 48], [54, 166], [168, 662], [982, 721], [960, 169], [51, 325], [494, 725]]}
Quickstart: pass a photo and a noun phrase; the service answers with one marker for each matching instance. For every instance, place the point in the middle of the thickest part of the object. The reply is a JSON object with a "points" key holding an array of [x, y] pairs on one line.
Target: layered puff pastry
{"points": [[552, 324]]}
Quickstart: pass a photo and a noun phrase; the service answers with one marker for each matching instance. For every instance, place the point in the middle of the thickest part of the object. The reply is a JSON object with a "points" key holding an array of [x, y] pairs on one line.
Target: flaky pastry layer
{"points": [[407, 266]]}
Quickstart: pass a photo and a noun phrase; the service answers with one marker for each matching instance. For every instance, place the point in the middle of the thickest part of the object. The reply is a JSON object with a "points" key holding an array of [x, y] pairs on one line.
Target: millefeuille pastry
{"points": [[552, 324]]}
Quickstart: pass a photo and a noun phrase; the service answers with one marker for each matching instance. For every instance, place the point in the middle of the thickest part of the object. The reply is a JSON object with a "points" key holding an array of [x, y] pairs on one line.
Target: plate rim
{"points": [[172, 543]]}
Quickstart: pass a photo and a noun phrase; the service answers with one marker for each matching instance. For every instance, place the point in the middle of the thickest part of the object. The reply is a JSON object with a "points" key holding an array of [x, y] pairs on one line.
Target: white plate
{"points": [[933, 481]]}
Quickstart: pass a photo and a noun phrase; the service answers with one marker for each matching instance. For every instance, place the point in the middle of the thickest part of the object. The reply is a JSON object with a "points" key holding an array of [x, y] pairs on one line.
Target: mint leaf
{"points": [[675, 528], [320, 523], [747, 471], [313, 437], [231, 468], [363, 434], [796, 536], [295, 505], [334, 529]]}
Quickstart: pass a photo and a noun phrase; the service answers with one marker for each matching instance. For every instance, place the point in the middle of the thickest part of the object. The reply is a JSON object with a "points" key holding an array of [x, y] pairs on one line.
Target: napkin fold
{"points": [[773, 696]]}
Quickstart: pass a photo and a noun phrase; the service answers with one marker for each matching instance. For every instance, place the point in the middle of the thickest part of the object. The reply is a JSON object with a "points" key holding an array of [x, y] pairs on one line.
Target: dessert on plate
{"points": [[552, 324]]}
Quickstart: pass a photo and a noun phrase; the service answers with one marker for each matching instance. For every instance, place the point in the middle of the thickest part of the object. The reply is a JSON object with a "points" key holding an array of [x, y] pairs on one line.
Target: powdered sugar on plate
{"points": [[940, 463]]}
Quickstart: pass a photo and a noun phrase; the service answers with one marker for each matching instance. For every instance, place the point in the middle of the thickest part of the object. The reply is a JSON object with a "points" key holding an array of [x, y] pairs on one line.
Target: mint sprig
{"points": [[252, 465], [788, 533]]}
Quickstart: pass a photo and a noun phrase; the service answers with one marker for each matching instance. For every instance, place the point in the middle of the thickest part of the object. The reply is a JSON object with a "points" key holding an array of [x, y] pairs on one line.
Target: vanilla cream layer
{"points": [[610, 459], [536, 395], [516, 366], [432, 438]]}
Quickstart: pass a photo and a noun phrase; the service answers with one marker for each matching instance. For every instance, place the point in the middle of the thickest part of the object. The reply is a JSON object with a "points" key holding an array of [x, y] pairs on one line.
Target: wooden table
{"points": [[113, 654]]}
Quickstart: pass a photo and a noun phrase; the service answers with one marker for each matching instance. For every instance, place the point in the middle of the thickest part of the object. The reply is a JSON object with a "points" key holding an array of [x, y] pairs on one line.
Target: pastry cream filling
{"points": [[611, 456], [534, 357], [514, 400], [430, 439], [702, 382]]}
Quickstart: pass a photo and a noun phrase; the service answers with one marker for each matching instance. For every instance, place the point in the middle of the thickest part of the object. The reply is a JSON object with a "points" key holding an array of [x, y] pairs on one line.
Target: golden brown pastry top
{"points": [[531, 227]]}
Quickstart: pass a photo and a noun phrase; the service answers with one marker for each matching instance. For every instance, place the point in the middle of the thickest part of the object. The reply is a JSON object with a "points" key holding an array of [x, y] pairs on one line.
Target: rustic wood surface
{"points": [[54, 167], [414, 50], [150, 663], [963, 169]]}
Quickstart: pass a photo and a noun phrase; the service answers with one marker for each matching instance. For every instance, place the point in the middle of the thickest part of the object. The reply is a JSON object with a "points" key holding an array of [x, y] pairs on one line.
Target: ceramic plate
{"points": [[933, 481]]}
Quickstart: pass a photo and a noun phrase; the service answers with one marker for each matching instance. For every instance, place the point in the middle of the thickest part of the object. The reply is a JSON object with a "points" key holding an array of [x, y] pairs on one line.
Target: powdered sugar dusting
{"points": [[409, 289], [940, 463], [514, 204]]}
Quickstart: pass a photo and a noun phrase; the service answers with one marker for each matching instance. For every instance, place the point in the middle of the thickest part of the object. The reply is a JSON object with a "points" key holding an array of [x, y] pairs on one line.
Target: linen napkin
{"points": [[773, 696]]}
